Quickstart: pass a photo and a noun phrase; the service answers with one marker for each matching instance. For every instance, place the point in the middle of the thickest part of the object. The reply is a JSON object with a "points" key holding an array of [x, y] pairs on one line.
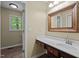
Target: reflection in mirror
{"points": [[53, 22], [69, 21], [62, 20], [59, 21], [67, 18]]}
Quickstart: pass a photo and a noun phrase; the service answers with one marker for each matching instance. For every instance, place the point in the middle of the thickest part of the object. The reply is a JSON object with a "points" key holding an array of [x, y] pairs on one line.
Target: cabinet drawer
{"points": [[65, 55]]}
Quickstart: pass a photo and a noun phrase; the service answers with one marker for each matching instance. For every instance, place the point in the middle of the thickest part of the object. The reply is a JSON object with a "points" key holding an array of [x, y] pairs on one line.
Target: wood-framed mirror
{"points": [[64, 20]]}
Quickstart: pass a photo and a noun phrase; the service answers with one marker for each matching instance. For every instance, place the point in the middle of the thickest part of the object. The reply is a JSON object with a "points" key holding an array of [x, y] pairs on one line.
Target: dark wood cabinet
{"points": [[52, 51], [65, 55], [57, 53]]}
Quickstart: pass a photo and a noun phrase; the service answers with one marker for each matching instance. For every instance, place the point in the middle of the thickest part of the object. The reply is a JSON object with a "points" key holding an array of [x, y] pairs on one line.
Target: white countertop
{"points": [[60, 44]]}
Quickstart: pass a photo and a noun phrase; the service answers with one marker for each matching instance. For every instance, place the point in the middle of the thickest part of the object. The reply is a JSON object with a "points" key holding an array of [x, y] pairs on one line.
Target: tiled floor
{"points": [[15, 52]]}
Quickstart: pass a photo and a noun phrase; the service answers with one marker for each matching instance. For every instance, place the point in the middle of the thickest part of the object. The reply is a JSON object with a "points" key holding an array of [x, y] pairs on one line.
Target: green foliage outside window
{"points": [[16, 23]]}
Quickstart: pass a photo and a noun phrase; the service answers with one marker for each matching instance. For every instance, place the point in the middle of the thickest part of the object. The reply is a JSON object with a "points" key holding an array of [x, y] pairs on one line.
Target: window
{"points": [[16, 23]]}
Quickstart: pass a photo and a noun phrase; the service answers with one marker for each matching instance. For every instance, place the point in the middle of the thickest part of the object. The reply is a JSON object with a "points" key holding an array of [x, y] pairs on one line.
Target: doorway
{"points": [[12, 29]]}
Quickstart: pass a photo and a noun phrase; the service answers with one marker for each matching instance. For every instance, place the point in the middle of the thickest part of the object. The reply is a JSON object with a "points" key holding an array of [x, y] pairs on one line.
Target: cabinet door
{"points": [[52, 51]]}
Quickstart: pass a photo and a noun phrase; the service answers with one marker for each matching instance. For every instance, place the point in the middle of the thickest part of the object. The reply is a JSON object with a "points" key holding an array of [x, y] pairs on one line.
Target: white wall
{"points": [[9, 38], [35, 23]]}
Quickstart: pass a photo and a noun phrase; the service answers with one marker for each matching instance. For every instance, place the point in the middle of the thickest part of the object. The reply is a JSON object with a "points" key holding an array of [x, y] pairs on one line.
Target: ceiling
{"points": [[20, 4]]}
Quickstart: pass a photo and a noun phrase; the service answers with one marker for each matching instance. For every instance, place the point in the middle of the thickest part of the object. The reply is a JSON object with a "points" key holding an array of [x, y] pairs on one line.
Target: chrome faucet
{"points": [[68, 41]]}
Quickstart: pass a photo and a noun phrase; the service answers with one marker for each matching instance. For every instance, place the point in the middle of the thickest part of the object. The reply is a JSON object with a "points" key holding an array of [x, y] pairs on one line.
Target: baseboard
{"points": [[35, 56], [11, 46]]}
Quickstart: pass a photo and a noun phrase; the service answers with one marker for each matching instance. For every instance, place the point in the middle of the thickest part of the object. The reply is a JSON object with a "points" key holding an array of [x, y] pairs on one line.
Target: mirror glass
{"points": [[62, 19]]}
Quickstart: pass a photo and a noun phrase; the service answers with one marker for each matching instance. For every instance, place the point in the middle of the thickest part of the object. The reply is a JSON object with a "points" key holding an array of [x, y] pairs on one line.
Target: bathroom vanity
{"points": [[63, 19], [57, 47]]}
